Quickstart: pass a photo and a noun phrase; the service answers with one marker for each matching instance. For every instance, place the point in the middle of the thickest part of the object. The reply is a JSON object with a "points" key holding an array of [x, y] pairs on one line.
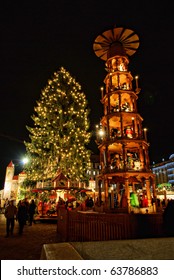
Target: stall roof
{"points": [[60, 176]]}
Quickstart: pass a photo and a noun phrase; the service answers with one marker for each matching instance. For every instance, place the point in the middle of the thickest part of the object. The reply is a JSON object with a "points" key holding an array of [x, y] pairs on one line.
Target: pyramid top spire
{"points": [[116, 41]]}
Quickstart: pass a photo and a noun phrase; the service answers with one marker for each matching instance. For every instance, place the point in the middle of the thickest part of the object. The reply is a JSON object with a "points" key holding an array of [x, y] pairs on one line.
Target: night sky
{"points": [[38, 37]]}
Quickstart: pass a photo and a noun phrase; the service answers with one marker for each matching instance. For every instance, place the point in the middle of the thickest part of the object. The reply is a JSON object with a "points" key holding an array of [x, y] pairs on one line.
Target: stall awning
{"points": [[43, 189]]}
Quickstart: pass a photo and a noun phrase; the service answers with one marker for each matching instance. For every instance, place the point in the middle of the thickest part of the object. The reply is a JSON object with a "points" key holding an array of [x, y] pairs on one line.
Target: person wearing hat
{"points": [[10, 214]]}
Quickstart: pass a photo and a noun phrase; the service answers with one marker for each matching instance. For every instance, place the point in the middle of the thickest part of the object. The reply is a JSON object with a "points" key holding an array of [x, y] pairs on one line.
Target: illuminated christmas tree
{"points": [[60, 134]]}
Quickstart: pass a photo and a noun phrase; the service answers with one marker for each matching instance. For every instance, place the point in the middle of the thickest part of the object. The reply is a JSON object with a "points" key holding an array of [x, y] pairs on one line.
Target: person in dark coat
{"points": [[10, 214], [26, 202], [168, 218], [31, 211], [89, 202], [21, 216]]}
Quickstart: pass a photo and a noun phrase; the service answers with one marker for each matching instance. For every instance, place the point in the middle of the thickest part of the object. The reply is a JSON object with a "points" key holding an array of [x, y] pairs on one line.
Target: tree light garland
{"points": [[60, 133]]}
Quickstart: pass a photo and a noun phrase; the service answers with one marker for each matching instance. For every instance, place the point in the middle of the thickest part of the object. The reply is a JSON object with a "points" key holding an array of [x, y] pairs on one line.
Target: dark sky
{"points": [[38, 37]]}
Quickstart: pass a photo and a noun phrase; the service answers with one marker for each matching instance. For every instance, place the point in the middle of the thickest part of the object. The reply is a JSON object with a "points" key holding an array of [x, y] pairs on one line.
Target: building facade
{"points": [[164, 176], [12, 182], [164, 171]]}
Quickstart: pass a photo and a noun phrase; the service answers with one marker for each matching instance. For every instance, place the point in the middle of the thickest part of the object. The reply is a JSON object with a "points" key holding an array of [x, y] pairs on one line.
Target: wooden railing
{"points": [[86, 226]]}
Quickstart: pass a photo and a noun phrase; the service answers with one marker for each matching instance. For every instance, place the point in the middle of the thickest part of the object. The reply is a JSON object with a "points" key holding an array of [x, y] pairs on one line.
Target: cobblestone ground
{"points": [[29, 245]]}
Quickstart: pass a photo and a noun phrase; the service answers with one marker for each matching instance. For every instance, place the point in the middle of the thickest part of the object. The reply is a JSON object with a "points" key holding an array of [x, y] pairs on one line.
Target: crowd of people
{"points": [[73, 204], [23, 212]]}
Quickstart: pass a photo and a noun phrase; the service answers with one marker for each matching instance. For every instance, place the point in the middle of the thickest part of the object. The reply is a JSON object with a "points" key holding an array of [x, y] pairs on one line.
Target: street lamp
{"points": [[25, 160], [100, 133]]}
